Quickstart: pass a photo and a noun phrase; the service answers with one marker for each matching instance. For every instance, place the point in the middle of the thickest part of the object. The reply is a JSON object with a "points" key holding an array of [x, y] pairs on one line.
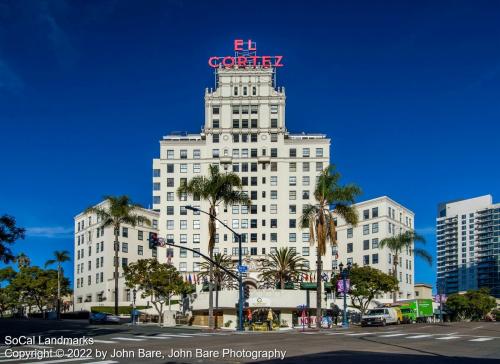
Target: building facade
{"points": [[245, 133], [468, 245], [94, 283], [379, 218]]}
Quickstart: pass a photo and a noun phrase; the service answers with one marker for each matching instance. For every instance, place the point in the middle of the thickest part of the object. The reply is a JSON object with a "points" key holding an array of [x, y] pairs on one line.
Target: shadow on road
{"points": [[363, 357]]}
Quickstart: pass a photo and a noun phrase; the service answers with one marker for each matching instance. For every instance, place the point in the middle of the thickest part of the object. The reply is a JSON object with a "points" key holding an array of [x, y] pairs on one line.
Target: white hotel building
{"points": [[245, 133]]}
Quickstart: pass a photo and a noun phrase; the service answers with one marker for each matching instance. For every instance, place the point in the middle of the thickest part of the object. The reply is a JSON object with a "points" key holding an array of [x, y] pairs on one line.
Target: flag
{"points": [[190, 280]]}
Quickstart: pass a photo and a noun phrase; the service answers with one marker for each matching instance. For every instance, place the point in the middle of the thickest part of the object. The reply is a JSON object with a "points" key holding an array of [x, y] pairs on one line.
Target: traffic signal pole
{"points": [[240, 287]]}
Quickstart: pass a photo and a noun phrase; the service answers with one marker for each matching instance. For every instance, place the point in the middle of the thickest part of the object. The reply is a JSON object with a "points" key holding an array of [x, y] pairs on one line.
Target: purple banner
{"points": [[340, 285], [440, 298]]}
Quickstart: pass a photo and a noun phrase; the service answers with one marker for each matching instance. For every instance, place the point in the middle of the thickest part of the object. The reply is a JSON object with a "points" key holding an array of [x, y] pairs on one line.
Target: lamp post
{"points": [[344, 273], [134, 295], [240, 279]]}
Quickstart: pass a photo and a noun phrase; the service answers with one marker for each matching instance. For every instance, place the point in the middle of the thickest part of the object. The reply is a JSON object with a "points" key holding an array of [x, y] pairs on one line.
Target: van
{"points": [[380, 316]]}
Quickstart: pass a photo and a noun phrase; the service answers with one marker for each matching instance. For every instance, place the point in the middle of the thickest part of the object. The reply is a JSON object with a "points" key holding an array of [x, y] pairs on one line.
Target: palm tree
{"points": [[23, 261], [283, 265], [119, 210], [217, 188], [405, 240], [221, 278], [332, 200], [60, 257]]}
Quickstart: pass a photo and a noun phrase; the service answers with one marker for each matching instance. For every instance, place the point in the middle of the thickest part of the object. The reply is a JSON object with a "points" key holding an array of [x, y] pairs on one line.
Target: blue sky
{"points": [[408, 92]]}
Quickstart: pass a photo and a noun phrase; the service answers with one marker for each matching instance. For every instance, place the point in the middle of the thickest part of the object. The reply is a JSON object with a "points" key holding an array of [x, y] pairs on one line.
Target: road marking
{"points": [[417, 336], [335, 333], [153, 337], [391, 335], [359, 333], [447, 338], [61, 360], [483, 339], [127, 339], [104, 341], [34, 346], [175, 335]]}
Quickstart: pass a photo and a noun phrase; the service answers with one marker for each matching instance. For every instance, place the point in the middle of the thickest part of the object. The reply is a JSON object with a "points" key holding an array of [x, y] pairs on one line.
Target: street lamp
{"points": [[134, 295], [240, 278], [344, 273]]}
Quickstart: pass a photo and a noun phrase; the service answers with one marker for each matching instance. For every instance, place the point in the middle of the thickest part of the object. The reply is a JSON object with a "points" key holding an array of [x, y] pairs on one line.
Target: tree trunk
{"points": [[282, 283], [59, 291], [117, 263], [394, 294], [318, 289]]}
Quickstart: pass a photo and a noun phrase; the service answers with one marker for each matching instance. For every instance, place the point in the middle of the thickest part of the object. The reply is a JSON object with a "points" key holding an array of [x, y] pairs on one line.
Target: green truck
{"points": [[419, 310]]}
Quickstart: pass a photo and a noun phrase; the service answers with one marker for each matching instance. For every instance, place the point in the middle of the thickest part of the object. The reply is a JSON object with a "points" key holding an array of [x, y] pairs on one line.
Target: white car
{"points": [[379, 316]]}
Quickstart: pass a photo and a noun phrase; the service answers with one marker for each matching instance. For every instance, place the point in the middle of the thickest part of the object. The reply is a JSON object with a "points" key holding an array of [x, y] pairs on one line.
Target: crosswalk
{"points": [[407, 335]]}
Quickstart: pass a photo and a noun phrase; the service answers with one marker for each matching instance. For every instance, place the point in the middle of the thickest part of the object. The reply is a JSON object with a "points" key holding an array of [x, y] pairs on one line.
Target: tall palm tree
{"points": [[332, 200], [23, 260], [221, 278], [118, 211], [216, 188], [60, 257], [405, 240], [282, 266]]}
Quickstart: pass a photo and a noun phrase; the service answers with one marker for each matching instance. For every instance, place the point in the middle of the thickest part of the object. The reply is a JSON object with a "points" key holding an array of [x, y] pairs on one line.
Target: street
{"points": [[477, 342]]}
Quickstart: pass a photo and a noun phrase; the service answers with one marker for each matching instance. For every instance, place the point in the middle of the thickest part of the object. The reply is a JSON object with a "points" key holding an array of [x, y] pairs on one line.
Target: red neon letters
{"points": [[245, 61]]}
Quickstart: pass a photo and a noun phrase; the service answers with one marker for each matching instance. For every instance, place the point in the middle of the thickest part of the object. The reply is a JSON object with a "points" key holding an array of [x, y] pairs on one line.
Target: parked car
{"points": [[103, 318], [380, 316]]}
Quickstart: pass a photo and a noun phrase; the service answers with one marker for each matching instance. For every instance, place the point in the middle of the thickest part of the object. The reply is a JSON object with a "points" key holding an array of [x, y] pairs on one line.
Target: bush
{"points": [[122, 310]]}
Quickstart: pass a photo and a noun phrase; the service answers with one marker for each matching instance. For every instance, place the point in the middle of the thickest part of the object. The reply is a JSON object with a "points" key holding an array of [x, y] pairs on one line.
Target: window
{"points": [[305, 180], [274, 195], [305, 251], [183, 267], [125, 232], [274, 167], [196, 253], [366, 244], [349, 247], [235, 91], [215, 153], [140, 250], [374, 243], [170, 197], [196, 238], [236, 124], [292, 195], [274, 137], [274, 152], [170, 182], [292, 181], [375, 258], [274, 123], [375, 212], [293, 152], [273, 209], [349, 233], [319, 166], [366, 229], [215, 110], [274, 223], [366, 214], [274, 109], [156, 186], [196, 224], [124, 262], [305, 237], [170, 168], [274, 180], [215, 138], [292, 223], [305, 195], [293, 167], [366, 259], [183, 224], [375, 227], [254, 91], [292, 237], [253, 124], [196, 168], [305, 152], [319, 152]]}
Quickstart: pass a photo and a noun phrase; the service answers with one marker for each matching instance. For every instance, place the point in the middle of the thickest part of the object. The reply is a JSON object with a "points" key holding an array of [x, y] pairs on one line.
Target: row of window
{"points": [[244, 153]]}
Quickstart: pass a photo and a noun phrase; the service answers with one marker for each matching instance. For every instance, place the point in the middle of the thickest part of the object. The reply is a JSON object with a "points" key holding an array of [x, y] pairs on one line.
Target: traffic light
{"points": [[246, 290], [153, 240]]}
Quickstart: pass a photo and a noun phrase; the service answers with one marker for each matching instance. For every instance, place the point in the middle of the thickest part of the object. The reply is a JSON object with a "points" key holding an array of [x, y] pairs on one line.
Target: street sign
{"points": [[440, 298], [242, 268]]}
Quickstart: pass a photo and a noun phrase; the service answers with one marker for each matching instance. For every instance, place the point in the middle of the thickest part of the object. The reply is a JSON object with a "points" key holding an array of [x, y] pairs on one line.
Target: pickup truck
{"points": [[380, 316]]}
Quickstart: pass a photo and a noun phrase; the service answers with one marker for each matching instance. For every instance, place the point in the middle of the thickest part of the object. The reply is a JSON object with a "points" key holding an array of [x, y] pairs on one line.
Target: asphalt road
{"points": [[430, 343]]}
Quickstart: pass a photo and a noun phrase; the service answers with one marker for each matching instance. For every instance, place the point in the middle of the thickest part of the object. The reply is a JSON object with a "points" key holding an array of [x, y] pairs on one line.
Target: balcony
{"points": [[264, 159], [225, 159]]}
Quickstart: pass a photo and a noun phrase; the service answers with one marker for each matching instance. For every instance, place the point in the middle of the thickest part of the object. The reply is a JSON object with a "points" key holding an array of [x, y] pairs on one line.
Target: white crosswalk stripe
{"points": [[480, 339], [104, 341], [391, 335], [418, 336], [359, 333], [448, 338], [175, 335], [127, 339], [153, 337]]}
